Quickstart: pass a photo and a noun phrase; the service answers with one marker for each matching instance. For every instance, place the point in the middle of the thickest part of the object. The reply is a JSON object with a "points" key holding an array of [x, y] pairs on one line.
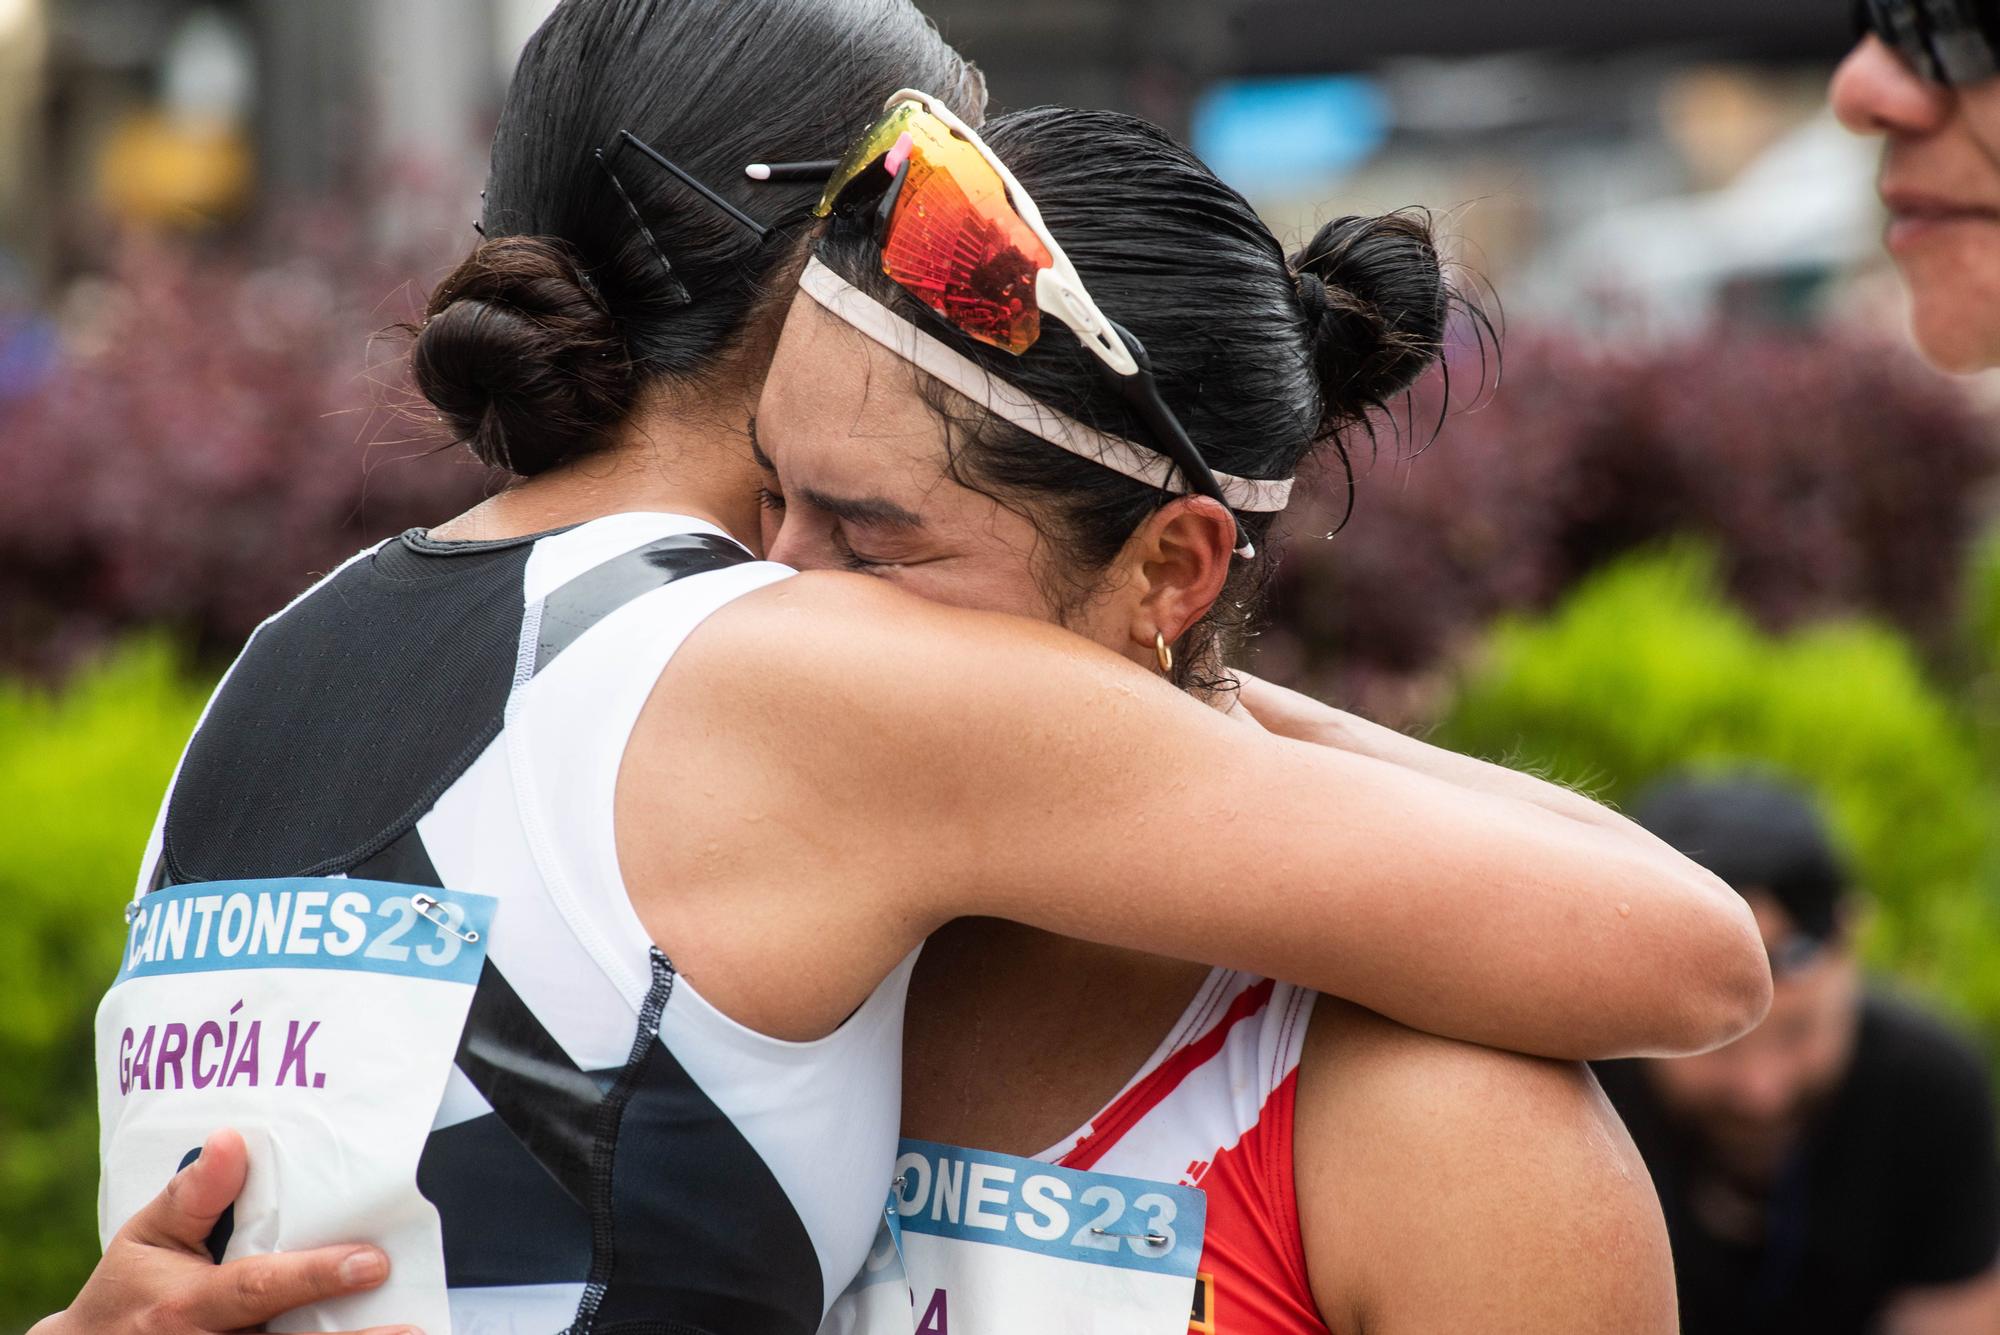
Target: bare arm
{"points": [[156, 1277], [907, 764], [1971, 1308], [1290, 714], [1446, 1187]]}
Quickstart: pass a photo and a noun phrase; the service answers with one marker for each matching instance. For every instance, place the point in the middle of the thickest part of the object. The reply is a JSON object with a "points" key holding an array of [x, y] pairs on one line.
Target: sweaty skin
{"points": [[1087, 796], [865, 767], [1441, 1185]]}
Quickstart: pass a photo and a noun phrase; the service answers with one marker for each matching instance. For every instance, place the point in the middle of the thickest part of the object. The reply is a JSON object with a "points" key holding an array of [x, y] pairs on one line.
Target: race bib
{"points": [[877, 1302], [320, 1018], [997, 1245]]}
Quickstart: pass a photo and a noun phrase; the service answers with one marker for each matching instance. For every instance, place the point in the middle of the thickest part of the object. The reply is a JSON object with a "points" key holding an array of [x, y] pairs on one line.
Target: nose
{"points": [[1876, 92], [1763, 1092], [781, 543]]}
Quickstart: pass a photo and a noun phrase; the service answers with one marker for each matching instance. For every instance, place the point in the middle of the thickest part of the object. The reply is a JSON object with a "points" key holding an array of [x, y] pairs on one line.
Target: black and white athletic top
{"points": [[612, 1153]]}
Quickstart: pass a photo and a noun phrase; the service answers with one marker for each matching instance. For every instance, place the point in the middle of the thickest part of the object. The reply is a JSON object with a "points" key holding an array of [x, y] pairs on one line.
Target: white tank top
{"points": [[612, 1153]]}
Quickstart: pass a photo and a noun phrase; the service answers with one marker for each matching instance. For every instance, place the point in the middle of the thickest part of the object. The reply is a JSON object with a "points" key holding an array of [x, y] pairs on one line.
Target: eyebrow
{"points": [[862, 509], [853, 509]]}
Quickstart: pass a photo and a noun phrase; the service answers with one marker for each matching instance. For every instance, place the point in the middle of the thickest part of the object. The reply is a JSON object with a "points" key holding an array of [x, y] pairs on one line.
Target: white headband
{"points": [[961, 373]]}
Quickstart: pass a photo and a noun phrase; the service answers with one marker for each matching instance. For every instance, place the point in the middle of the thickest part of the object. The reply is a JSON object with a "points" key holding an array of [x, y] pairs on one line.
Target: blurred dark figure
{"points": [[1834, 1170]]}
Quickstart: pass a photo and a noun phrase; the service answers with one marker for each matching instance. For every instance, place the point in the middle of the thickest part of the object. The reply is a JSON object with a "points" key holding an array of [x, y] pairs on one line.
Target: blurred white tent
{"points": [[1804, 207]]}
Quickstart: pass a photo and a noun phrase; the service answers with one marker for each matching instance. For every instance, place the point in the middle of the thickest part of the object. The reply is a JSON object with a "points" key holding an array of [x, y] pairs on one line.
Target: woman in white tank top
{"points": [[823, 770]]}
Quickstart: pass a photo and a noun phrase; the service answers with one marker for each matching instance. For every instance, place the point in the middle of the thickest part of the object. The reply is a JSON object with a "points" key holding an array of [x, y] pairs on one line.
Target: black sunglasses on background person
{"points": [[1948, 42]]}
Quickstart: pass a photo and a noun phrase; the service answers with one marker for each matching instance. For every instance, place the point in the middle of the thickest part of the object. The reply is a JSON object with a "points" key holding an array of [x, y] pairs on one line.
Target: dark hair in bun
{"points": [[536, 349], [1376, 305], [521, 357], [1262, 359]]}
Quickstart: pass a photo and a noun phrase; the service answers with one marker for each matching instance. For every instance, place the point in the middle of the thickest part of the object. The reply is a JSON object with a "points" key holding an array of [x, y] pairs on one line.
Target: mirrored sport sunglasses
{"points": [[1948, 42], [958, 233]]}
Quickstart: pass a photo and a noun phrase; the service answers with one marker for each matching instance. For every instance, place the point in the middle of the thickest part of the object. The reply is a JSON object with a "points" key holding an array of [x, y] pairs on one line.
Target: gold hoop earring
{"points": [[1166, 654]]}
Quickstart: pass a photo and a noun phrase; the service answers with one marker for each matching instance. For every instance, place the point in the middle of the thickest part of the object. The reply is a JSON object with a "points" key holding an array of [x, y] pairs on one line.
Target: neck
{"points": [[682, 454]]}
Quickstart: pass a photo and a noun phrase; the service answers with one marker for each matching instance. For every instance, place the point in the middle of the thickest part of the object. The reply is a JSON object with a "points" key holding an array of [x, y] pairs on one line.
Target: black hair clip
{"points": [[735, 214], [678, 290], [627, 139]]}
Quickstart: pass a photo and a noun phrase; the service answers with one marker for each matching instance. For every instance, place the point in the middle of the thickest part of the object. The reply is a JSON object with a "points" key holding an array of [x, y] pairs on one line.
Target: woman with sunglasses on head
{"points": [[927, 420], [720, 807]]}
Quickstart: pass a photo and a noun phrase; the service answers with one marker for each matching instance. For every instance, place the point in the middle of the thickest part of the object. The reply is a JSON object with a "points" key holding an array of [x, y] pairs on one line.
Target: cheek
{"points": [[1953, 272], [980, 583], [1980, 108], [992, 563]]}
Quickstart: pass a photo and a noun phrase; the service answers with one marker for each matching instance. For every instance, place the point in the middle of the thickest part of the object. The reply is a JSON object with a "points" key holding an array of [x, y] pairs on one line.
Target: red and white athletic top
{"points": [[1212, 1108]]}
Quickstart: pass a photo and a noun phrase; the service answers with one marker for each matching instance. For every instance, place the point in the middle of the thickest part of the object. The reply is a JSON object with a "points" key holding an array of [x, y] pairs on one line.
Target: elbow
{"points": [[1735, 1004], [1725, 986]]}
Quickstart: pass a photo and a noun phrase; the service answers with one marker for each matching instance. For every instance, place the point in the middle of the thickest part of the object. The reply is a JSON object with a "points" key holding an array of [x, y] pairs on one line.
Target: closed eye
{"points": [[853, 560]]}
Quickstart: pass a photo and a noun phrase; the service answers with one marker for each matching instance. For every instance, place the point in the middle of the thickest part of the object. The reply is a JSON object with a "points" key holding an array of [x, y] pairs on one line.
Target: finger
{"points": [[183, 1215], [254, 1289]]}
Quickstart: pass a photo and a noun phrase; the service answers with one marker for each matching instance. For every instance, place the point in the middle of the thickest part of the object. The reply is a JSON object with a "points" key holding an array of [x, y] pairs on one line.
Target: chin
{"points": [[1957, 336], [1954, 311]]}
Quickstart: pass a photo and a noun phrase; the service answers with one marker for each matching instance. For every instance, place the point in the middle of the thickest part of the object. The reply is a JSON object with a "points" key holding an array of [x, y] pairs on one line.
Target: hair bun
{"points": [[522, 358], [1375, 300]]}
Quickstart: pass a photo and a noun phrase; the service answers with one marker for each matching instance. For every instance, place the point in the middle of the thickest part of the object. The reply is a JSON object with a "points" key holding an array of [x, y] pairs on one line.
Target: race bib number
{"points": [[320, 1018], [992, 1244]]}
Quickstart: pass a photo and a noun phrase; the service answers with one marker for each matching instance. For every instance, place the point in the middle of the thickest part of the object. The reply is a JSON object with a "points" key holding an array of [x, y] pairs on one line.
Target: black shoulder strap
{"points": [[348, 716], [597, 593]]}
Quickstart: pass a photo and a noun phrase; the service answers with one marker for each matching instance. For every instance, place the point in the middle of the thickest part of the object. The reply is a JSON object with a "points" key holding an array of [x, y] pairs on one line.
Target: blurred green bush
{"points": [[1982, 611], [238, 391], [81, 776], [1982, 647], [1647, 667]]}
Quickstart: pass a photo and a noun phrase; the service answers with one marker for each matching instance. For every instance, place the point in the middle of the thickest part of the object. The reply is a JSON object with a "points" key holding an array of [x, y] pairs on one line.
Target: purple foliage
{"points": [[215, 432], [1832, 474]]}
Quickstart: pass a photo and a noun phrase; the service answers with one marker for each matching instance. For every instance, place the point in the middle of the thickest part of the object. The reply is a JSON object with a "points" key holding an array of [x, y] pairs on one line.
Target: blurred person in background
{"points": [[1925, 78], [1833, 1170]]}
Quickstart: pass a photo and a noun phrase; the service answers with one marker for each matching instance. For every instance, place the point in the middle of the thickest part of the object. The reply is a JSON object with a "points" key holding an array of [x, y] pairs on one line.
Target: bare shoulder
{"points": [[827, 631], [1444, 1185], [755, 808], [780, 800], [881, 707]]}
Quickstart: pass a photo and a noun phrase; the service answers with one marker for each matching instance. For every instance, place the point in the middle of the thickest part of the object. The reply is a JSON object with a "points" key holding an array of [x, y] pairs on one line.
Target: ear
{"points": [[1181, 555]]}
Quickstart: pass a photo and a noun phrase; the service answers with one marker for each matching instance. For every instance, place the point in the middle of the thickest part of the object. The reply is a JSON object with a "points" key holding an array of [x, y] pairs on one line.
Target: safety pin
{"points": [[132, 911], [1157, 1239], [432, 911]]}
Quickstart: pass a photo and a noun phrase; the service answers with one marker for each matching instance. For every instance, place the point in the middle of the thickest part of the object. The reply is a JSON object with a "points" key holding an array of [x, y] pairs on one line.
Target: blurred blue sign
{"points": [[28, 351], [1275, 134]]}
